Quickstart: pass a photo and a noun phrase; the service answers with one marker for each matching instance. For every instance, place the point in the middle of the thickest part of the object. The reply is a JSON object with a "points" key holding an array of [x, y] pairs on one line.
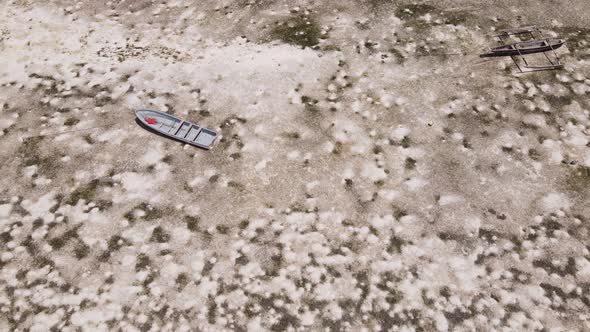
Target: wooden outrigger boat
{"points": [[175, 128], [531, 46], [527, 47]]}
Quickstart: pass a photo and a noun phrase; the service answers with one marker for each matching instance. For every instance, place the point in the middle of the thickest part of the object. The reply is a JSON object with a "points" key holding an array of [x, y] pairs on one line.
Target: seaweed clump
{"points": [[300, 30]]}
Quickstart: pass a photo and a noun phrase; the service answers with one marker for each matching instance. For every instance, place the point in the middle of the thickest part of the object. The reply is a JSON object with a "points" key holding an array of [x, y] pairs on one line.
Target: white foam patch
{"points": [[5, 123], [372, 172], [382, 222], [583, 268], [41, 207], [138, 185], [389, 195], [181, 235], [536, 120], [555, 151], [415, 183], [450, 199], [472, 224], [552, 202], [115, 136], [5, 210], [153, 154], [398, 134]]}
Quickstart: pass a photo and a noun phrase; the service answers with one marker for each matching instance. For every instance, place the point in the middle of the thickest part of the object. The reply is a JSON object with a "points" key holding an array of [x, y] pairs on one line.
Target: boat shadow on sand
{"points": [[142, 125], [490, 55]]}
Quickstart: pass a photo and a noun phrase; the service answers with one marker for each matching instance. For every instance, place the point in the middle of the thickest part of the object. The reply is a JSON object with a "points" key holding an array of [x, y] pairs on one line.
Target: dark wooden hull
{"points": [[529, 47]]}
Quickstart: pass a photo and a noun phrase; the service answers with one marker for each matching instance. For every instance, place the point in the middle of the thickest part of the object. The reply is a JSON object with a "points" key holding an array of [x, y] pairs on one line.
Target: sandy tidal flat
{"points": [[373, 173]]}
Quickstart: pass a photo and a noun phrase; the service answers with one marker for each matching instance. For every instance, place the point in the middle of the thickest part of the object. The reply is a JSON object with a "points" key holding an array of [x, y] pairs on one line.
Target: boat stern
{"points": [[556, 42]]}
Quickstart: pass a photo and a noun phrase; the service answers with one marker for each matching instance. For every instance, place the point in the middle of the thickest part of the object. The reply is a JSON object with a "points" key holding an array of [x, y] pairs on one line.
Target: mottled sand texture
{"points": [[372, 174]]}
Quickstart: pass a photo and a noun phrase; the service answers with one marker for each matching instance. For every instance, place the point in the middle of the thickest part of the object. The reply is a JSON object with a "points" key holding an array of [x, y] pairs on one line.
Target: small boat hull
{"points": [[175, 128], [528, 47]]}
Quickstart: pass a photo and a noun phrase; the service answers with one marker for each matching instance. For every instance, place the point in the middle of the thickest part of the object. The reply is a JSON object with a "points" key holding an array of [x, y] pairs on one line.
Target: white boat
{"points": [[178, 129]]}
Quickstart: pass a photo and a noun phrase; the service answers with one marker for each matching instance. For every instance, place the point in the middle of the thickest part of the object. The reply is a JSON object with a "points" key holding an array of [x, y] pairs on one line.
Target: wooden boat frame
{"points": [[535, 36]]}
